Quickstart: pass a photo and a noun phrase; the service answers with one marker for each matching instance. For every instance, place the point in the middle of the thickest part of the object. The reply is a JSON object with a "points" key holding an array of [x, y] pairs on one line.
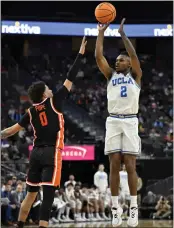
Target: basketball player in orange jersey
{"points": [[123, 89], [46, 118]]}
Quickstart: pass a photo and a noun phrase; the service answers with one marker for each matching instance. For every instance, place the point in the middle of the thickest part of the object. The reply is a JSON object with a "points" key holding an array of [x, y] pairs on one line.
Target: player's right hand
{"points": [[102, 27]]}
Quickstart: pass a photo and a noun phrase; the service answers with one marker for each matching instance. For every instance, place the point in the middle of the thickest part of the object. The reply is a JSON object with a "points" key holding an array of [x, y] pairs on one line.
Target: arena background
{"points": [[28, 57]]}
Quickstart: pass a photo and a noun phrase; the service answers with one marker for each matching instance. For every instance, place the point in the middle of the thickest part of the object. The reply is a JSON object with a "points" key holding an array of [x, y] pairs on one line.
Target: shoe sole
{"points": [[116, 225]]}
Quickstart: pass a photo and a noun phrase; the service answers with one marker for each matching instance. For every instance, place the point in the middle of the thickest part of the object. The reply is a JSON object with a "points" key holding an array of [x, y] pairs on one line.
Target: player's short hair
{"points": [[101, 164], [36, 91], [124, 53], [69, 184], [77, 185]]}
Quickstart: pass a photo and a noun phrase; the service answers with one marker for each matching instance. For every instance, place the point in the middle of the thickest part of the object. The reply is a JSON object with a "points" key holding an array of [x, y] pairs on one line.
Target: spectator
{"points": [[71, 180], [150, 199], [57, 206], [64, 212], [153, 134], [70, 198], [163, 209], [77, 196], [93, 198], [6, 207], [85, 203], [16, 199], [14, 182]]}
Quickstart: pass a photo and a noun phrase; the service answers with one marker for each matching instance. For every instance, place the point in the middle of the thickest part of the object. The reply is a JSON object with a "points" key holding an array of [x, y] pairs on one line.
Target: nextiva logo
{"points": [[94, 32], [19, 28], [164, 31]]}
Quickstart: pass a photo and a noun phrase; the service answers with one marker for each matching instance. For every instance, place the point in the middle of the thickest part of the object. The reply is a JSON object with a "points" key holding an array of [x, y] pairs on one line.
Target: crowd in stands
{"points": [[89, 93], [77, 202]]}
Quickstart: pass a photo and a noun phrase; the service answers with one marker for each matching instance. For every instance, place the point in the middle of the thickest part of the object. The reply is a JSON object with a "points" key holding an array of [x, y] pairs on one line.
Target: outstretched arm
{"points": [[75, 67], [100, 59], [135, 64], [23, 122], [10, 131]]}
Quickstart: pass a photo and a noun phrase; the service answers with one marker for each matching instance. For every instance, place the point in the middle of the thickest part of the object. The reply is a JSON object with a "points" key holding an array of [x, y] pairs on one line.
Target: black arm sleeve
{"points": [[25, 120], [74, 68], [59, 96], [62, 93]]}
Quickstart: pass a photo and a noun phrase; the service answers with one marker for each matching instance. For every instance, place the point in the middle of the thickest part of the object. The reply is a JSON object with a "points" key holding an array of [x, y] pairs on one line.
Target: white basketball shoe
{"points": [[133, 217], [116, 216]]}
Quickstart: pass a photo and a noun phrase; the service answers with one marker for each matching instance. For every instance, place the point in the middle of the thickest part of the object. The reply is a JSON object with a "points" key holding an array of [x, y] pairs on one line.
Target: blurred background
{"points": [[38, 43]]}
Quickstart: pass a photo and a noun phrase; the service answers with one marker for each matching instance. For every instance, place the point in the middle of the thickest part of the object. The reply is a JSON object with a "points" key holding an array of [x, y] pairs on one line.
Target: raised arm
{"points": [[75, 67], [135, 64], [100, 59]]}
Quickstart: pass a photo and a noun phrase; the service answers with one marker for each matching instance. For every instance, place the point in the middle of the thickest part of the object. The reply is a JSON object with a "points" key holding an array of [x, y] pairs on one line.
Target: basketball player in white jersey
{"points": [[124, 187], [121, 138]]}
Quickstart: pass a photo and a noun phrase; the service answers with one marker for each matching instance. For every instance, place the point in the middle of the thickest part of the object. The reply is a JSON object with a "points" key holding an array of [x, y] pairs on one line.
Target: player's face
{"points": [[77, 188], [70, 187], [124, 167], [122, 63], [71, 177], [101, 167], [48, 92]]}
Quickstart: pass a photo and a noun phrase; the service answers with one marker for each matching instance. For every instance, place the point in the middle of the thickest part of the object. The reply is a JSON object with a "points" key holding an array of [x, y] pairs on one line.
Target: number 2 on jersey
{"points": [[43, 119], [123, 91]]}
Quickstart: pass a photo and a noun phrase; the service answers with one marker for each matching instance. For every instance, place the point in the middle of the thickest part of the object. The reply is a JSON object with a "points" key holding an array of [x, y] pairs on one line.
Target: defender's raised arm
{"points": [[75, 67]]}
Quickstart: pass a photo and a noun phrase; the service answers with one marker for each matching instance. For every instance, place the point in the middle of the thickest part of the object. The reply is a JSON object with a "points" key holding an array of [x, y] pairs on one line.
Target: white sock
{"points": [[114, 201], [97, 214], [133, 202]]}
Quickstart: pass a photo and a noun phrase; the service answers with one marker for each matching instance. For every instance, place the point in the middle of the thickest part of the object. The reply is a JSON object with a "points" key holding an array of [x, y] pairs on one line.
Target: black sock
{"points": [[20, 224], [42, 227]]}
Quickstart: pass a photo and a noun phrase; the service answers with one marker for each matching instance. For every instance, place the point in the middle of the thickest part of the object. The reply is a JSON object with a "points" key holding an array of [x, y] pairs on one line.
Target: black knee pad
{"points": [[48, 198]]}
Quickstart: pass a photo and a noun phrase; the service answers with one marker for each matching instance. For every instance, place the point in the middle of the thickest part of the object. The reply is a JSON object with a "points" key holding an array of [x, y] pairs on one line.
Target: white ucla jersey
{"points": [[124, 181], [123, 94]]}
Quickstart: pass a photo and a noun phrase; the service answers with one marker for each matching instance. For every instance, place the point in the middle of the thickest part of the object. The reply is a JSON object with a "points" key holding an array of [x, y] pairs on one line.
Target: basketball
{"points": [[105, 12]]}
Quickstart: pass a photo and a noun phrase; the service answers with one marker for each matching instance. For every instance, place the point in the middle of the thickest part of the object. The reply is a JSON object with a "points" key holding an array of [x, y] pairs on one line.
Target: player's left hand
{"points": [[83, 45], [121, 26]]}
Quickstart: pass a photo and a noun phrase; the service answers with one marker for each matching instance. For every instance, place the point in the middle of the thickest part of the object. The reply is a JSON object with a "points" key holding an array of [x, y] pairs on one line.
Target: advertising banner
{"points": [[87, 29], [76, 152]]}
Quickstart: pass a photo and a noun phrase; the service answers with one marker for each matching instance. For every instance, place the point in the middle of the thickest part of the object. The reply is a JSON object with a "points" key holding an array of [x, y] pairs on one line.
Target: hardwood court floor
{"points": [[142, 223]]}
